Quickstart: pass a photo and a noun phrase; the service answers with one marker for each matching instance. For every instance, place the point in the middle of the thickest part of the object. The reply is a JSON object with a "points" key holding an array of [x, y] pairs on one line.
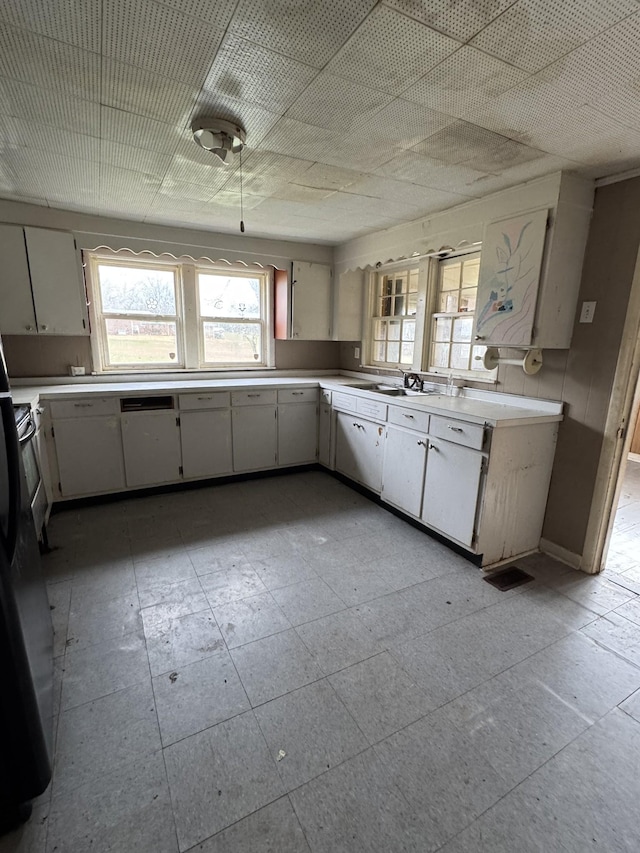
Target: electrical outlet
{"points": [[356, 352], [587, 312]]}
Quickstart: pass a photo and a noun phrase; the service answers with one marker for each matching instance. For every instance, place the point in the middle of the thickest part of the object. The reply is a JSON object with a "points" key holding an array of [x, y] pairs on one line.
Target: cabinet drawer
{"points": [[325, 396], [298, 395], [253, 398], [213, 400], [85, 407], [371, 408], [409, 418], [344, 402], [460, 432]]}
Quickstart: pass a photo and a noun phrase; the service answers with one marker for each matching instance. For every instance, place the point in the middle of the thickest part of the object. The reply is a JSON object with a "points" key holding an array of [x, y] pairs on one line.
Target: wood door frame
{"points": [[624, 407]]}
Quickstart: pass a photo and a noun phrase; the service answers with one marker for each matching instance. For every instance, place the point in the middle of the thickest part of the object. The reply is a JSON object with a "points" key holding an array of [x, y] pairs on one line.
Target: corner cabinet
{"points": [[303, 302], [42, 286]]}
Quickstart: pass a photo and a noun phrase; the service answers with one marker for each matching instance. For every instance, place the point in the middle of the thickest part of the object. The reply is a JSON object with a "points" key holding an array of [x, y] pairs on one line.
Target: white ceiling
{"points": [[359, 115]]}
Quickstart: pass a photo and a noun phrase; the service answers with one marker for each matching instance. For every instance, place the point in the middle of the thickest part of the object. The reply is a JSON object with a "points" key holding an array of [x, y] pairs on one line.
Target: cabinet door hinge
{"points": [[53, 432], [60, 487], [620, 432], [177, 421], [84, 324], [180, 470]]}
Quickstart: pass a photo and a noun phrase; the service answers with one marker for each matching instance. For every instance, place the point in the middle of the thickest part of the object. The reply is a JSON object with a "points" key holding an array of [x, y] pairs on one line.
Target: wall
{"points": [[31, 355]]}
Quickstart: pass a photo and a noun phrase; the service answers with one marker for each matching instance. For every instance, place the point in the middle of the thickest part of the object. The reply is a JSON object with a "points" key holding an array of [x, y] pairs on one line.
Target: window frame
{"points": [[376, 276], [189, 324]]}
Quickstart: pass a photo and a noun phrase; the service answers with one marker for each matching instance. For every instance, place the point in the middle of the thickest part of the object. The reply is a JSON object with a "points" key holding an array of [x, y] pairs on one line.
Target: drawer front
{"points": [[460, 432], [253, 398], [298, 395], [408, 418], [85, 407], [212, 400], [372, 408], [325, 396], [344, 402]]}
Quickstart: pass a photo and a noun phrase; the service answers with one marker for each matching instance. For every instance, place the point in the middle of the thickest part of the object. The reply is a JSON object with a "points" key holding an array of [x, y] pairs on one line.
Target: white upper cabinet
{"points": [[311, 301], [41, 286], [17, 316], [56, 282]]}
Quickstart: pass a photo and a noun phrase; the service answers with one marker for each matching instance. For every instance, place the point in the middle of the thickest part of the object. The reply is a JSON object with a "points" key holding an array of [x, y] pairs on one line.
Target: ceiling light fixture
{"points": [[223, 138]]}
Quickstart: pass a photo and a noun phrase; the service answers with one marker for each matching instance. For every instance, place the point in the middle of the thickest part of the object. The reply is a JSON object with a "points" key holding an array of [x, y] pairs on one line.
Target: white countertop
{"points": [[483, 407]]}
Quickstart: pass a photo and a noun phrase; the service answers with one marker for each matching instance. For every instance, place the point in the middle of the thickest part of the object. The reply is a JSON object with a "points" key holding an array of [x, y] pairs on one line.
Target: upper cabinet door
{"points": [[510, 267], [311, 301], [56, 281], [16, 315]]}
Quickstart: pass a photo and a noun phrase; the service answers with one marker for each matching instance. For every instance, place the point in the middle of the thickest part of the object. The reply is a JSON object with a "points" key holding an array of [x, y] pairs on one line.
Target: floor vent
{"points": [[508, 578]]}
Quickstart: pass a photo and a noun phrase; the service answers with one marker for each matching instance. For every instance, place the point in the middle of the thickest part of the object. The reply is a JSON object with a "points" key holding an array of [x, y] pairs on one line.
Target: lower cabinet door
{"points": [[89, 453], [206, 443], [451, 489], [254, 437], [297, 433], [359, 448], [405, 453], [151, 442], [324, 435]]}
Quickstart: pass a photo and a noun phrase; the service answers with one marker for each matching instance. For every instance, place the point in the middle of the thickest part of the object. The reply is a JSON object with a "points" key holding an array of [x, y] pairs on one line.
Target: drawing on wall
{"points": [[509, 275]]}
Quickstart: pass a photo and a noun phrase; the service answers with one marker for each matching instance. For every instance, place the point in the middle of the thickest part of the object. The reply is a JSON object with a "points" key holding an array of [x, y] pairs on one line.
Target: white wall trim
{"points": [[560, 553]]}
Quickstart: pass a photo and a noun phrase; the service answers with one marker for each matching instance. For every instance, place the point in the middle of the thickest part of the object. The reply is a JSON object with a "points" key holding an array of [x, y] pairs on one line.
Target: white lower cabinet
{"points": [[255, 437], [403, 471], [297, 433], [206, 443], [359, 450], [451, 489], [89, 454], [151, 444]]}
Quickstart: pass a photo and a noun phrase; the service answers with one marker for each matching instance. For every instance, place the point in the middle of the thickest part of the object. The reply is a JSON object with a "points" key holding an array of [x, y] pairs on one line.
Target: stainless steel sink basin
{"points": [[393, 392]]}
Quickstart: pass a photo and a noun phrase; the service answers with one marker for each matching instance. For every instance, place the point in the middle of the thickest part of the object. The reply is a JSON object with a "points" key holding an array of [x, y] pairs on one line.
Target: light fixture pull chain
{"points": [[241, 204]]}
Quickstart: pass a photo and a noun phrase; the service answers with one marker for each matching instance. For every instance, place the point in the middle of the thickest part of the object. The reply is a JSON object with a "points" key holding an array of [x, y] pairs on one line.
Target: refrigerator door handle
{"points": [[13, 466]]}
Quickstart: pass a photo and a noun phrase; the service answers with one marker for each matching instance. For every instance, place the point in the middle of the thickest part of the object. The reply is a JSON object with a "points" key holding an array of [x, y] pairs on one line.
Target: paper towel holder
{"points": [[531, 362]]}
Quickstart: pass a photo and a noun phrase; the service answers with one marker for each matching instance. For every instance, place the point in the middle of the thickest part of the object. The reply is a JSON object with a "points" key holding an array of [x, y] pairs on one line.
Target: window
{"points": [[393, 318], [149, 315], [451, 348]]}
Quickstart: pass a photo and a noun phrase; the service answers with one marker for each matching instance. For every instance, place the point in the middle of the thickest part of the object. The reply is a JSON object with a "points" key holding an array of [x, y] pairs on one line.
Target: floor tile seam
{"points": [[171, 801], [613, 651], [107, 639], [136, 633], [102, 696], [321, 677]]}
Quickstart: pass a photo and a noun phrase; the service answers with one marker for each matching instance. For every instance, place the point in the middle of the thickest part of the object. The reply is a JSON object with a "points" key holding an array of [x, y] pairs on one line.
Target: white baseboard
{"points": [[560, 553]]}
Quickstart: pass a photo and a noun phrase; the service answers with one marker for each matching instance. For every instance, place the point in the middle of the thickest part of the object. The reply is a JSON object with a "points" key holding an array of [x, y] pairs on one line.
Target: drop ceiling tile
{"points": [[416, 169], [533, 33], [31, 136], [323, 177], [121, 186], [134, 159], [461, 19], [256, 121], [516, 175], [309, 32], [358, 154], [306, 140], [337, 104], [47, 107], [218, 14], [69, 22], [426, 198], [275, 165], [135, 90], [389, 51], [138, 131], [160, 39], [47, 63], [192, 169], [366, 206], [296, 192], [181, 195], [51, 175], [250, 72], [288, 210], [401, 124], [464, 81], [499, 160], [229, 199], [622, 105]]}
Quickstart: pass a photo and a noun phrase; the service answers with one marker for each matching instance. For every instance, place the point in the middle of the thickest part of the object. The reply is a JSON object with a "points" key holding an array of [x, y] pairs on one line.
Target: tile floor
{"points": [[281, 665], [623, 556]]}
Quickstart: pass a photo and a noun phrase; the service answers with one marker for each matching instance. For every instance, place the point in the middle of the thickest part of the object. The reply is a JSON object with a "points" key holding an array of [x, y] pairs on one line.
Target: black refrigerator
{"points": [[26, 636]]}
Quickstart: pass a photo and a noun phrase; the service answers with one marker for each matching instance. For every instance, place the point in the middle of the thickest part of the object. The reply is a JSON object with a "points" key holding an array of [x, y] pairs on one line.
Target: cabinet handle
{"points": [[254, 395], [83, 405], [408, 416], [358, 426], [433, 447], [204, 398], [454, 429], [422, 444], [44, 327], [479, 337], [296, 393]]}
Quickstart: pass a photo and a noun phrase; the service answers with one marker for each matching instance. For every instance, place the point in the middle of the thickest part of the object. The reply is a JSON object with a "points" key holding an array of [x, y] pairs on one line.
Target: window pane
{"points": [[379, 349], [406, 353], [451, 277], [443, 329], [468, 299], [470, 272], [409, 330], [232, 343], [412, 304], [125, 290], [460, 356], [449, 302], [462, 328], [393, 352], [394, 330], [413, 281], [386, 286], [228, 296], [441, 355], [141, 342], [379, 330], [477, 356], [400, 284], [384, 309]]}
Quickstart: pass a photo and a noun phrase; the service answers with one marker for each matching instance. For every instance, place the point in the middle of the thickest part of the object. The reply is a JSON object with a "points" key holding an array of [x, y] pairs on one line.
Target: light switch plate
{"points": [[587, 312]]}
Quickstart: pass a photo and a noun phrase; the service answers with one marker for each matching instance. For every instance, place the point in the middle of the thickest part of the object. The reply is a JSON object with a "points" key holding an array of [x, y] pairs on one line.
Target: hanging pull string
{"points": [[241, 204]]}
